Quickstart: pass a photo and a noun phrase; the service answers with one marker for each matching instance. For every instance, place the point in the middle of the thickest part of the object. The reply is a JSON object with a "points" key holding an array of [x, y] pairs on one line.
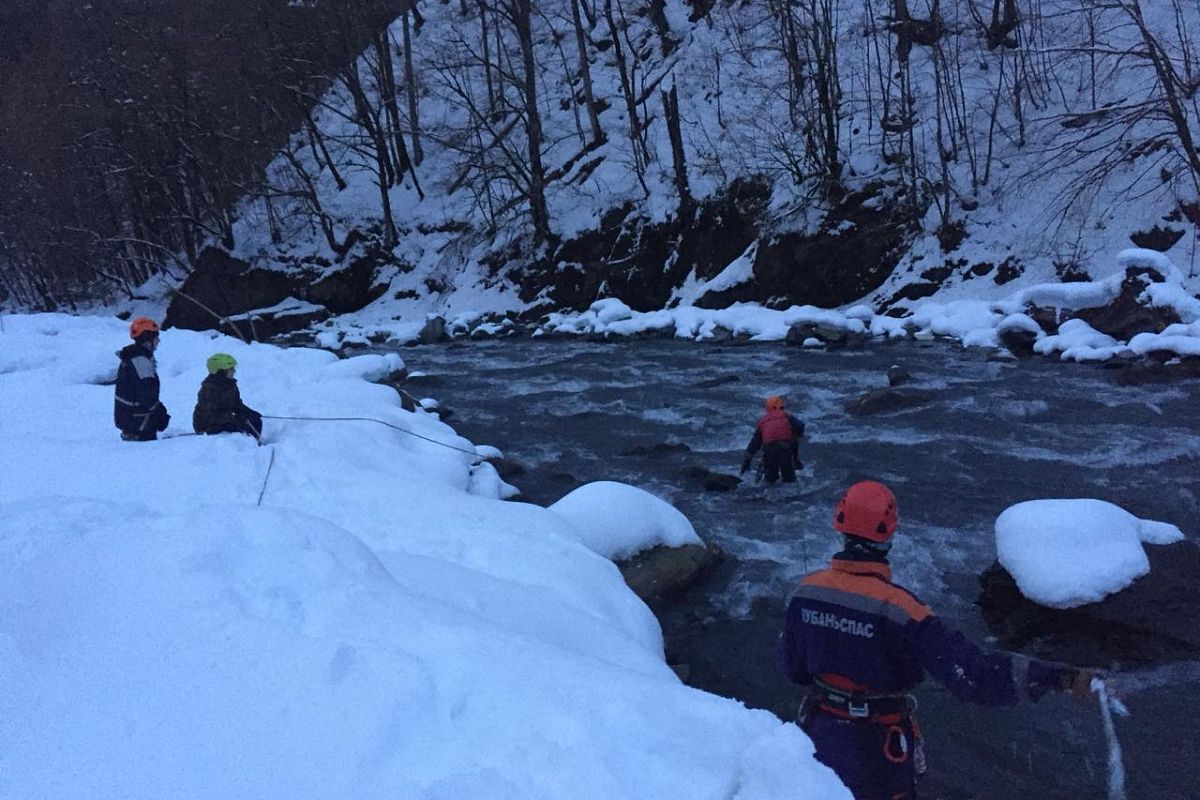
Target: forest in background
{"points": [[129, 129], [135, 135]]}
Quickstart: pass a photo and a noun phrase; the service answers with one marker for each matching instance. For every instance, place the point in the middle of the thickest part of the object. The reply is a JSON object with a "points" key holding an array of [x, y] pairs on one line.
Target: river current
{"points": [[991, 433]]}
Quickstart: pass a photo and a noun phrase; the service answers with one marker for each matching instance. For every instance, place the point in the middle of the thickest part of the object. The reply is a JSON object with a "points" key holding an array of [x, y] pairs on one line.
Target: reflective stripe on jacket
{"points": [[853, 628], [135, 402]]}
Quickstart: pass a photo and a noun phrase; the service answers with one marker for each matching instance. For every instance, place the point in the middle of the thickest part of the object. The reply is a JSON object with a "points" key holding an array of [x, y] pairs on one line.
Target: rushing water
{"points": [[992, 434]]}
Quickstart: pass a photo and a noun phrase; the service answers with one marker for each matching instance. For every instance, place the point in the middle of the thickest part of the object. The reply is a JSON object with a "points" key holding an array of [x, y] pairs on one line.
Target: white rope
{"points": [[1116, 769]]}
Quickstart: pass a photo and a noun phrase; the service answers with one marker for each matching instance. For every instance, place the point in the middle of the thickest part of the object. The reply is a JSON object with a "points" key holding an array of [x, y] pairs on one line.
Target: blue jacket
{"points": [[136, 408], [853, 629]]}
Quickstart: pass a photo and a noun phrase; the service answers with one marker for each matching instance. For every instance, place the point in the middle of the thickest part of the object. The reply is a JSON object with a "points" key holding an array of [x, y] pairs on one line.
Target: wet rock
{"points": [[658, 450], [1019, 333], [897, 375], [1125, 316], [1046, 317], [661, 574], [507, 468], [712, 383], [1152, 620], [434, 330], [709, 480], [886, 401], [1141, 374]]}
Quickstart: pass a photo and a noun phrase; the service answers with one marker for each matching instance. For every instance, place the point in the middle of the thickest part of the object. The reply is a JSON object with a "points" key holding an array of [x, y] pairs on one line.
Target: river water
{"points": [[993, 433]]}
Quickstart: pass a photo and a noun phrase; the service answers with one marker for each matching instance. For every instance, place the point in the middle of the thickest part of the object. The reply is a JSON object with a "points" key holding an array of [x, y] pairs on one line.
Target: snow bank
{"points": [[1066, 553], [974, 322], [381, 626], [616, 520]]}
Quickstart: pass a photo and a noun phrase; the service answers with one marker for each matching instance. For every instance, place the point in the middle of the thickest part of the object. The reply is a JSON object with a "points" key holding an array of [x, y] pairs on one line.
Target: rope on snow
{"points": [[1116, 770], [471, 453], [270, 466]]}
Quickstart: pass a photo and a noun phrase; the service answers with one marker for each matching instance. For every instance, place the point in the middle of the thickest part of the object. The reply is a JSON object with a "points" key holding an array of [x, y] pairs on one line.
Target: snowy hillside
{"points": [[345, 611], [873, 157]]}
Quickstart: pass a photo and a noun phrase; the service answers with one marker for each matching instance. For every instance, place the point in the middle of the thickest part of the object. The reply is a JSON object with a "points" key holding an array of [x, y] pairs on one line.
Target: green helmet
{"points": [[220, 361]]}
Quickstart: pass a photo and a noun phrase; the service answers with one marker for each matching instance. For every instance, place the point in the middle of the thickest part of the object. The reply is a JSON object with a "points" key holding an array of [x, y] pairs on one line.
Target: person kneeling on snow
{"points": [[778, 433], [863, 642], [136, 408], [219, 406]]}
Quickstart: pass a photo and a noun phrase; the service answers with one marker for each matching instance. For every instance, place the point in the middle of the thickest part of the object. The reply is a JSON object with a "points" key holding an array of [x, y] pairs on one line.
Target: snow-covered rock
{"points": [[1065, 553], [616, 520]]}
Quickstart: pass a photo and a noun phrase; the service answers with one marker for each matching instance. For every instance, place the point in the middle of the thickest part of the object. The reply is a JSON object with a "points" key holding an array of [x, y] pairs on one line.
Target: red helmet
{"points": [[774, 403], [868, 509], [142, 325]]}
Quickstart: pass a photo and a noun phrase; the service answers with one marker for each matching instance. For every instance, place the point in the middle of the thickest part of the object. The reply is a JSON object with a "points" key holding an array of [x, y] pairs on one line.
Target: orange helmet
{"points": [[868, 509], [142, 325], [774, 403]]}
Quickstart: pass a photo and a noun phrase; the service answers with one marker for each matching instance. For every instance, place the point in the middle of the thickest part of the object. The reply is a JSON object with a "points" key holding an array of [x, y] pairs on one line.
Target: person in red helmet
{"points": [[778, 433], [862, 642], [137, 411]]}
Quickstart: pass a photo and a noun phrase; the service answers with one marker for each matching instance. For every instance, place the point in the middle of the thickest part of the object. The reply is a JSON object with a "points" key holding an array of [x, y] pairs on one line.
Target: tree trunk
{"points": [[522, 17]]}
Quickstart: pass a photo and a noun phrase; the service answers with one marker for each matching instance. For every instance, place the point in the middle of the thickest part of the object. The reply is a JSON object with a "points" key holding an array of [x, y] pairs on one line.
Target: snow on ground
{"points": [[616, 520], [373, 629], [1065, 553], [974, 322]]}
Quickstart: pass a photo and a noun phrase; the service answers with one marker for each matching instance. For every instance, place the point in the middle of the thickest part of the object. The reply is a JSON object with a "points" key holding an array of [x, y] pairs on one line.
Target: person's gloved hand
{"points": [[164, 419], [1078, 683], [745, 466]]}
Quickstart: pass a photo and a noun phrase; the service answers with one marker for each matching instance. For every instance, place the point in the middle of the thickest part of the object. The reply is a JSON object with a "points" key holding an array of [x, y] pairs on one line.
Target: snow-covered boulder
{"points": [[617, 520], [1065, 553]]}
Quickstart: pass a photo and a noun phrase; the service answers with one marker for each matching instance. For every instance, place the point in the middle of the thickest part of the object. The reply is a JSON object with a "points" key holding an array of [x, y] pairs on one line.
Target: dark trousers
{"points": [[779, 460], [875, 761]]}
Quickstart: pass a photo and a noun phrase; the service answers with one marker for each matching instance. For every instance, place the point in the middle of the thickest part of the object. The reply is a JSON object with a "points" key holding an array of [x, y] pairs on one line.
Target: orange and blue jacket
{"points": [[854, 630]]}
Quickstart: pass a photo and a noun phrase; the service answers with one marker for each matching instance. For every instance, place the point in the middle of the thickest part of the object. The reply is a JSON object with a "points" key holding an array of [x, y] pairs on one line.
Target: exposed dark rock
{"points": [[261, 326], [1125, 317], [641, 262], [709, 480], [1140, 374], [712, 383], [661, 574], [1047, 318], [222, 286], [434, 331], [897, 375], [506, 468], [658, 450], [1157, 238], [886, 401], [857, 248], [1009, 270], [951, 235], [913, 291], [1019, 341], [348, 289], [1149, 621]]}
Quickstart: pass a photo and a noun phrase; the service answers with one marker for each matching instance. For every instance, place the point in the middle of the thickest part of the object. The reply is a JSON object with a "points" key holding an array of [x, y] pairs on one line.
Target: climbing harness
{"points": [[1108, 706], [471, 453], [267, 477], [884, 709]]}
